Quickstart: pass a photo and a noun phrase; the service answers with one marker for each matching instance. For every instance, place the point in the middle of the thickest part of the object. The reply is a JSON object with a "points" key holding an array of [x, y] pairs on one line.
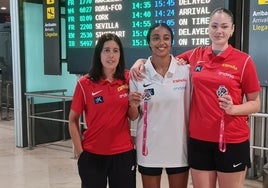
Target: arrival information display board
{"points": [[87, 20], [258, 32]]}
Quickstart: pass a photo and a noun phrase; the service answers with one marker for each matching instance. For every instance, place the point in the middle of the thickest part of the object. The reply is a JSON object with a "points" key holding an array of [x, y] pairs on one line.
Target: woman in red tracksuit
{"points": [[106, 150]]}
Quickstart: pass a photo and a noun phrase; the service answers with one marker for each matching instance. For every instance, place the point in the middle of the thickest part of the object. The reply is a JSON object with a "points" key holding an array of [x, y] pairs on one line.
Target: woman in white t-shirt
{"points": [[161, 103]]}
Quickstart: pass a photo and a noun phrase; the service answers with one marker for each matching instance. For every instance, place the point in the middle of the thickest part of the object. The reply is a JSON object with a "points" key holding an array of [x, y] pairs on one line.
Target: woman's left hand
{"points": [[134, 99], [181, 61]]}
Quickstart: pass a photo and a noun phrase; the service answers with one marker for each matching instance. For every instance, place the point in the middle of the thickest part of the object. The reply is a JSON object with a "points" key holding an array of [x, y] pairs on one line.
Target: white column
{"points": [[15, 38]]}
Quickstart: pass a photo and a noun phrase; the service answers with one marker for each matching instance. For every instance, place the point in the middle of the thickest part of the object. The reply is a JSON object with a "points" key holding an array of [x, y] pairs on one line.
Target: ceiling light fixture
{"points": [[3, 8]]}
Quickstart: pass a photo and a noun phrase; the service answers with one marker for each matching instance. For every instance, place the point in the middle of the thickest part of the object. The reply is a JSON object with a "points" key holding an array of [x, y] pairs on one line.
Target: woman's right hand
{"points": [[136, 71]]}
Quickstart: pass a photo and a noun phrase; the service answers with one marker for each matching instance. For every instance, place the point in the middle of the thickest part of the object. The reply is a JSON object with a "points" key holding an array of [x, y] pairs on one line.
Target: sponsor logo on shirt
{"points": [[179, 88], [98, 100], [228, 75], [198, 68], [120, 88], [95, 93], [179, 80], [146, 85], [123, 95], [234, 67]]}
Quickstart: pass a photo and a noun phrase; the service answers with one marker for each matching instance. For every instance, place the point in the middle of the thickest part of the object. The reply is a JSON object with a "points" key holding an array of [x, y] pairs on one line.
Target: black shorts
{"points": [[151, 171], [119, 170], [204, 155]]}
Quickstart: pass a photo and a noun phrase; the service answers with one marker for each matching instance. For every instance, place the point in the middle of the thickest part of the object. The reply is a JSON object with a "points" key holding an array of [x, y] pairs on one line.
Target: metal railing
{"points": [[32, 115], [261, 146], [6, 99]]}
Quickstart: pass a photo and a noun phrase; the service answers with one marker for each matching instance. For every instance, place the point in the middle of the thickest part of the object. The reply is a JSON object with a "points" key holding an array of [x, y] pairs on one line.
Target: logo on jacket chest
{"points": [[98, 100], [198, 68]]}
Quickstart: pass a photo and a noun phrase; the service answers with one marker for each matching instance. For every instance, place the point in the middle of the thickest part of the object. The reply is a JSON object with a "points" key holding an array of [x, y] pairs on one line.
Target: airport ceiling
{"points": [[4, 3]]}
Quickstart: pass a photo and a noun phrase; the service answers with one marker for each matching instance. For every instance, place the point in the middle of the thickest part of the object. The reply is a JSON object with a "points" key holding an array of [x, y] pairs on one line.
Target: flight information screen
{"points": [[87, 20]]}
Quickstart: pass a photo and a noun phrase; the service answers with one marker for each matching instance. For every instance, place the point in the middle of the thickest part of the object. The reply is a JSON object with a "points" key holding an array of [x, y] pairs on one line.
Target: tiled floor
{"points": [[48, 165]]}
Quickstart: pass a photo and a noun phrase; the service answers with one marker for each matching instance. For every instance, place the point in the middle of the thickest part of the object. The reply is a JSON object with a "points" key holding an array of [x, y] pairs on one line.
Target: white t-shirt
{"points": [[167, 116]]}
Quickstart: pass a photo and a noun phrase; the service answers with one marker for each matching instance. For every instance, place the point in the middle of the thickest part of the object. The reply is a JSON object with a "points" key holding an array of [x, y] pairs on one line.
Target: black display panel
{"points": [[87, 20], [52, 47], [258, 32]]}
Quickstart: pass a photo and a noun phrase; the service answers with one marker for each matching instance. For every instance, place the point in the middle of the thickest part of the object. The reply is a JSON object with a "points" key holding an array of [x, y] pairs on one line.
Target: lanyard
{"points": [[144, 137], [222, 90], [146, 97], [222, 143]]}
